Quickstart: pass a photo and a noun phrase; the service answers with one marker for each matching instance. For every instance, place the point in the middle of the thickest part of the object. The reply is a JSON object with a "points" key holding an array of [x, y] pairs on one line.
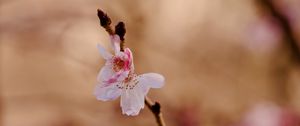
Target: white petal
{"points": [[105, 73], [143, 88], [105, 54], [152, 80], [122, 75], [107, 93], [146, 90], [115, 41], [132, 101]]}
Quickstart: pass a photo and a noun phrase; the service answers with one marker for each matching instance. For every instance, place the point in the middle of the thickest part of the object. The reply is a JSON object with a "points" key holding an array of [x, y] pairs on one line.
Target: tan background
{"points": [[219, 58]]}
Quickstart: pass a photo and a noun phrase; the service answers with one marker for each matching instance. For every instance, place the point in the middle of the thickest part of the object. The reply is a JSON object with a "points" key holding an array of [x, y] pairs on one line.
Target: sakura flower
{"points": [[117, 78]]}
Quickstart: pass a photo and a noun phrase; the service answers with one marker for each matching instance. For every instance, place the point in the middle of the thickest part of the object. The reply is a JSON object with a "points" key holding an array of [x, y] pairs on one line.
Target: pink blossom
{"points": [[268, 114], [263, 115], [117, 78]]}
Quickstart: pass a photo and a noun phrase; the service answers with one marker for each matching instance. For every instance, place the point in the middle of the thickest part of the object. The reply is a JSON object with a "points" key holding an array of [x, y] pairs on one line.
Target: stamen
{"points": [[118, 64], [129, 83]]}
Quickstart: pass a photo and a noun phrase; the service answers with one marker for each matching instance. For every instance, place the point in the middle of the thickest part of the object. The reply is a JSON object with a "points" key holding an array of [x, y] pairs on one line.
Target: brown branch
{"points": [[155, 109], [105, 22], [120, 30]]}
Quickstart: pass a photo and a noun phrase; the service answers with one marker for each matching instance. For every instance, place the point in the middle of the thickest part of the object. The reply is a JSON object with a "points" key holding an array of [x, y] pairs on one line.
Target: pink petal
{"points": [[152, 80], [105, 73], [105, 54], [107, 76], [107, 93], [130, 58], [122, 75], [132, 101]]}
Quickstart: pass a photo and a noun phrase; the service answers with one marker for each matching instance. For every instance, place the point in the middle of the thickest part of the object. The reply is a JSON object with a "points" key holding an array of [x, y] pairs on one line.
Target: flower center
{"points": [[129, 82], [118, 64]]}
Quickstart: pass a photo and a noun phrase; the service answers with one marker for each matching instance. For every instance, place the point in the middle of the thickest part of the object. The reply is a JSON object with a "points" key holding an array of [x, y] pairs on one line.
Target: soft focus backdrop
{"points": [[221, 59]]}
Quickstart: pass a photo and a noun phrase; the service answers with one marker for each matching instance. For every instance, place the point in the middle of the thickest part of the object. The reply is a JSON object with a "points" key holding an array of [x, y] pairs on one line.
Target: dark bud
{"points": [[156, 108], [104, 19], [120, 30]]}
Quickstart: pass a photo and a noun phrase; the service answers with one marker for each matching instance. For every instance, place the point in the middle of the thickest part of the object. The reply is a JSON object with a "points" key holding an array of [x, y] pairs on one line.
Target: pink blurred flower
{"points": [[269, 114], [263, 115], [117, 78], [263, 35]]}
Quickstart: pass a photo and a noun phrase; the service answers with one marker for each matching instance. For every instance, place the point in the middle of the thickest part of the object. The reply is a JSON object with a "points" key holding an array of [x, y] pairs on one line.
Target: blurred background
{"points": [[226, 63]]}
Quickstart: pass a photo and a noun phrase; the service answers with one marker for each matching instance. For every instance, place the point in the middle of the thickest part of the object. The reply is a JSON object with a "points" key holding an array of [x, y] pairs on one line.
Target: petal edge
{"points": [[105, 54], [107, 93], [152, 80]]}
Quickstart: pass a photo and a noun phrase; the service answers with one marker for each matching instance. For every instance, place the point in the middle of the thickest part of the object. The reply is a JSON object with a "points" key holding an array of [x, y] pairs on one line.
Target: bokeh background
{"points": [[226, 63]]}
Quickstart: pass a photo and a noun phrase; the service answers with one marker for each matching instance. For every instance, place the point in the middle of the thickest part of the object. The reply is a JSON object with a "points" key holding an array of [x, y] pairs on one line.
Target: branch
{"points": [[105, 22], [120, 30], [155, 109]]}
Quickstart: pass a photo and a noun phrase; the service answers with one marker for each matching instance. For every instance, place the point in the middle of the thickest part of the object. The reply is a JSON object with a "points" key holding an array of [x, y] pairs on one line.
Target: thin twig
{"points": [[155, 109], [121, 30], [105, 22]]}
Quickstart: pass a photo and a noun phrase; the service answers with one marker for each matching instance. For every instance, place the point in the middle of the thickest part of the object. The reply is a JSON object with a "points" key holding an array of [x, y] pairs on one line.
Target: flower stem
{"points": [[155, 109], [109, 30]]}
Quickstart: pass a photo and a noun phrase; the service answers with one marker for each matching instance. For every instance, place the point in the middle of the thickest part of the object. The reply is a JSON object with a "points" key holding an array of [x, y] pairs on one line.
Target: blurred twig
{"points": [[155, 109], [286, 28], [282, 72]]}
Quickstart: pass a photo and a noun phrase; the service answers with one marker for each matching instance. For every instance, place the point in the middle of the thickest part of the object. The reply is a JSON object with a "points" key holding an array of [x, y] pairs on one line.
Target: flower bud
{"points": [[104, 19], [120, 30]]}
